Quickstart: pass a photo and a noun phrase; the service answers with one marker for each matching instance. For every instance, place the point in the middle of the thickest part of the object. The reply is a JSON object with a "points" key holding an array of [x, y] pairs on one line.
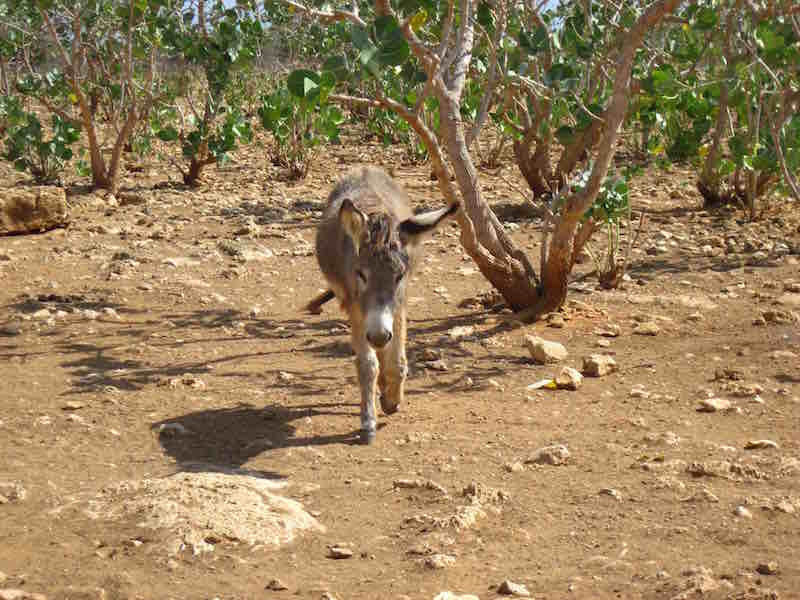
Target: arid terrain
{"points": [[162, 394]]}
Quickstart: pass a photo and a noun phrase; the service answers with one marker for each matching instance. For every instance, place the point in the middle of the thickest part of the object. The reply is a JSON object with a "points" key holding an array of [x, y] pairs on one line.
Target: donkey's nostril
{"points": [[379, 339]]}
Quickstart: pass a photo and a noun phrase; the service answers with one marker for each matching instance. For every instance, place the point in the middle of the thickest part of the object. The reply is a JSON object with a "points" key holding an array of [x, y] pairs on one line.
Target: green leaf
{"points": [[302, 83]]}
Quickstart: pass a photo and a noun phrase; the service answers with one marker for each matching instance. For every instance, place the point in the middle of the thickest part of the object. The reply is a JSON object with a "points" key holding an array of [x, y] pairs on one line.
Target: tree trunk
{"points": [[499, 263]]}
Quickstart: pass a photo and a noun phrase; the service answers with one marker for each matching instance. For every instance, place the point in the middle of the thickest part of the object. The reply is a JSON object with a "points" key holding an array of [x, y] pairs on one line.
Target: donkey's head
{"points": [[383, 249]]}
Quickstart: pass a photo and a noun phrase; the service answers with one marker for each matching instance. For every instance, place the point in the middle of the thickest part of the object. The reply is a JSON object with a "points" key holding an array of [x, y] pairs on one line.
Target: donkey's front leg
{"points": [[367, 367], [394, 366]]}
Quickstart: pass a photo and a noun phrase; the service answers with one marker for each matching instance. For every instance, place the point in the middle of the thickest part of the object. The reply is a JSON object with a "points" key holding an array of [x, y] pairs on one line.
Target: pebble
{"points": [[438, 561], [339, 552], [743, 511], [454, 596], [602, 343], [760, 445], [557, 454], [544, 351], [767, 568], [11, 594], [611, 492], [569, 379], [12, 491], [276, 585], [598, 365], [710, 405], [509, 588], [647, 328], [72, 405], [514, 467]]}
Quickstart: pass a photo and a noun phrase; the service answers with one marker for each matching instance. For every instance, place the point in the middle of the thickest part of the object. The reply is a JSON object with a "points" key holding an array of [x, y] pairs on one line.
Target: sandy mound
{"points": [[202, 509]]}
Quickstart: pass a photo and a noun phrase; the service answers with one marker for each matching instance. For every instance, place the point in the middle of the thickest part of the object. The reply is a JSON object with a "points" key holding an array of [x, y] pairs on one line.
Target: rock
{"points": [[710, 405], [276, 585], [768, 568], [285, 377], [610, 330], [461, 332], [760, 445], [790, 299], [647, 328], [743, 512], [9, 594], [438, 365], [429, 355], [779, 317], [33, 209], [72, 405], [611, 492], [514, 467], [556, 321], [544, 351], [453, 596], [569, 379], [438, 561], [598, 365], [509, 588], [12, 491], [339, 552], [555, 455]]}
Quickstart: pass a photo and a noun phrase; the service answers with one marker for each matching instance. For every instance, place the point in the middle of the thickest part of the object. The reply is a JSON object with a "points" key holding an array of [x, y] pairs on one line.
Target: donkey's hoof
{"points": [[387, 407], [367, 436]]}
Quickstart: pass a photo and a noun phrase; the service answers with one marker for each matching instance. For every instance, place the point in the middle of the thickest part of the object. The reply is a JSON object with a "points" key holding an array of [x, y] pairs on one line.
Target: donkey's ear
{"points": [[353, 221], [411, 230]]}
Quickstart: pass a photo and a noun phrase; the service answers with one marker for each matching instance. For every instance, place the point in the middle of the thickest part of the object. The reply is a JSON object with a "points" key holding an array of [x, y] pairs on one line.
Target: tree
{"points": [[87, 60], [436, 49]]}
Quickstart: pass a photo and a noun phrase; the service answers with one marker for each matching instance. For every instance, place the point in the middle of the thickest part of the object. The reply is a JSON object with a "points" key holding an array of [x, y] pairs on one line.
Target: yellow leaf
{"points": [[703, 150], [291, 9], [419, 19], [686, 27], [73, 98]]}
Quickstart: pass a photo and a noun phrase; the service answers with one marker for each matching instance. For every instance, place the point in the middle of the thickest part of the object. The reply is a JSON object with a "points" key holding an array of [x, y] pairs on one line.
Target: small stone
{"points": [[454, 596], [598, 365], [9, 594], [611, 492], [544, 351], [609, 330], [514, 467], [284, 377], [339, 552], [438, 365], [760, 445], [509, 588], [555, 455], [556, 321], [569, 379], [438, 561], [12, 491], [276, 585], [695, 316], [171, 429], [647, 328], [768, 568], [461, 332], [429, 355], [710, 405], [743, 512], [603, 343], [72, 405]]}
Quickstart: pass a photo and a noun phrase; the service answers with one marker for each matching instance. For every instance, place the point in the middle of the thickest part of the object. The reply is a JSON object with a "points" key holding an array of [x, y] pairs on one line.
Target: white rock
{"points": [[557, 454], [569, 379], [714, 405], [743, 512], [454, 596], [509, 588], [544, 351], [598, 365], [760, 445]]}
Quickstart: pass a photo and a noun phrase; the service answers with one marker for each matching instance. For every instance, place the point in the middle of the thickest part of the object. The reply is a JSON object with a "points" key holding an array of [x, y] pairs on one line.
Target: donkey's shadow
{"points": [[231, 437]]}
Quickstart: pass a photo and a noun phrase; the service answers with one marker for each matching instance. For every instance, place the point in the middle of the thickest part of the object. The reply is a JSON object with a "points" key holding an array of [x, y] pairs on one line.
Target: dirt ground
{"points": [[164, 333]]}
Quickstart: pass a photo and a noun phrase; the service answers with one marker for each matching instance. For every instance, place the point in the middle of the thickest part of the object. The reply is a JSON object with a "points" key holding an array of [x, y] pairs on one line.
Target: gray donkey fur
{"points": [[367, 248]]}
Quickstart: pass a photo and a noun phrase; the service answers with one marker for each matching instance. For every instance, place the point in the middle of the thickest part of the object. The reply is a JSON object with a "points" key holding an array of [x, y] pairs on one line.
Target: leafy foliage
{"points": [[27, 145]]}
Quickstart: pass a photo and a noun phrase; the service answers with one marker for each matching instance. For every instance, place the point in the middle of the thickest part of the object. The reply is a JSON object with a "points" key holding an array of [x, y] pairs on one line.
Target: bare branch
{"points": [[330, 16]]}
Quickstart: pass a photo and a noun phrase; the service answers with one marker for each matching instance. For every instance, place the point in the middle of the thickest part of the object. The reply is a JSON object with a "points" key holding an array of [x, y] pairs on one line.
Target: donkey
{"points": [[367, 247]]}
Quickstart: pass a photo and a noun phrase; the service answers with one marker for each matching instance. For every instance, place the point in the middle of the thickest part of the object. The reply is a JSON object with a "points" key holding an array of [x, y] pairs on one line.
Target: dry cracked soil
{"points": [[172, 426]]}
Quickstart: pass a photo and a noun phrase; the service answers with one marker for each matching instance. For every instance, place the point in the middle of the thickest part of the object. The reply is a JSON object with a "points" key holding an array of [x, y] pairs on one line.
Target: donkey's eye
{"points": [[362, 277]]}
